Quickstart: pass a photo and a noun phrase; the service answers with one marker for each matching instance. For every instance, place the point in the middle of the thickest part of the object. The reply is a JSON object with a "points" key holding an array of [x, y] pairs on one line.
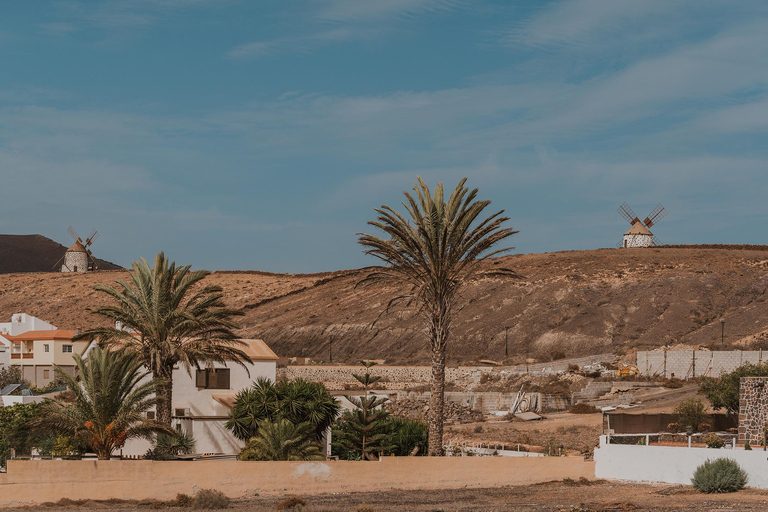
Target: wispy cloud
{"points": [[355, 10], [336, 21], [584, 22]]}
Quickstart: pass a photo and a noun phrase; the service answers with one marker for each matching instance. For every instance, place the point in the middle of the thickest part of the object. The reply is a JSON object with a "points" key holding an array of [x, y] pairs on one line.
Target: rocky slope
{"points": [[576, 303]]}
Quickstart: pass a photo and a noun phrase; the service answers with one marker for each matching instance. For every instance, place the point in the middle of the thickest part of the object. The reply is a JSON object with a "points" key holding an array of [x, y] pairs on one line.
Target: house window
{"points": [[47, 347], [46, 374], [213, 378], [67, 349]]}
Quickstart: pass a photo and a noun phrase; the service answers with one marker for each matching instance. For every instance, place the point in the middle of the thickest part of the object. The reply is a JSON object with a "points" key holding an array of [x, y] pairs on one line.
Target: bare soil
{"points": [[567, 303], [562, 496]]}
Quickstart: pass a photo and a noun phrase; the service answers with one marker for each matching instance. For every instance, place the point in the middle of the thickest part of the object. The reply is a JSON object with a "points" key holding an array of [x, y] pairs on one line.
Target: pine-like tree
{"points": [[364, 431]]}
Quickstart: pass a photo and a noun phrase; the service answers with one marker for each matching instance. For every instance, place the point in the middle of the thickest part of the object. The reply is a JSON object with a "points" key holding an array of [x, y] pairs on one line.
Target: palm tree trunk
{"points": [[437, 400], [164, 381]]}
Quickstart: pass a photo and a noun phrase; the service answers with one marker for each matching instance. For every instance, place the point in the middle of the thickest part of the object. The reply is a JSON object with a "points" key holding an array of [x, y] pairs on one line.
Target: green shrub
{"points": [[292, 502], [747, 446], [719, 476], [675, 428], [210, 499], [704, 427], [713, 441], [691, 413]]}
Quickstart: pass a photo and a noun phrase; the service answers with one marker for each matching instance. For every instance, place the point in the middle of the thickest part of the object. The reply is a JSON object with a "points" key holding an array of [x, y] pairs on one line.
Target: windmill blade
{"points": [[57, 263], [656, 242], [72, 233], [93, 236], [655, 216], [626, 212]]}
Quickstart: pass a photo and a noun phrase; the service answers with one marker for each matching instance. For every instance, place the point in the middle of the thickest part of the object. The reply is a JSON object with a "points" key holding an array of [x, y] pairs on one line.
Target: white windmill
{"points": [[639, 234]]}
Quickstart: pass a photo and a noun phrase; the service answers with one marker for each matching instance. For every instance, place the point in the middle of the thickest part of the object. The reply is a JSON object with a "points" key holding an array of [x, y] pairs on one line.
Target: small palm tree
{"points": [[282, 440], [109, 406], [167, 319], [436, 248]]}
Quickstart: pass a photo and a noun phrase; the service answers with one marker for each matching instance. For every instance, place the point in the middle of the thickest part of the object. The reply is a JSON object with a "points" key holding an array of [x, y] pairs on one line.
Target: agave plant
{"points": [[168, 319], [431, 252], [109, 406], [282, 440]]}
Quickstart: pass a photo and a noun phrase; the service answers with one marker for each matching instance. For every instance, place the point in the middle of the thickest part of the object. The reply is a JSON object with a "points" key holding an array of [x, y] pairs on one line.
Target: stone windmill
{"points": [[639, 234], [78, 257]]}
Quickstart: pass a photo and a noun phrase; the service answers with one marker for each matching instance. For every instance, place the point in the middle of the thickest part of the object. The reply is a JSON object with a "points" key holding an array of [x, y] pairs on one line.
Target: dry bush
{"points": [[210, 499], [672, 383], [583, 408], [365, 508], [478, 429], [182, 500], [292, 502]]}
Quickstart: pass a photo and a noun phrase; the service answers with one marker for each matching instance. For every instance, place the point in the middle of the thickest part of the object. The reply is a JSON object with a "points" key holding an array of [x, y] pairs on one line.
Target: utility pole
{"points": [[722, 332], [506, 341]]}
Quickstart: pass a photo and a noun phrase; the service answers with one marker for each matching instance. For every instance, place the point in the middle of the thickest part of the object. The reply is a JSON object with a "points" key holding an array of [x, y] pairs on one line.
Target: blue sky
{"points": [[259, 134]]}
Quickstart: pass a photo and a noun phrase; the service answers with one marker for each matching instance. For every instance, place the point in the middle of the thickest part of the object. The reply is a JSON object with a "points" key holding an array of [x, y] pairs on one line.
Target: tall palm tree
{"points": [[434, 250], [283, 440], [165, 318], [109, 403]]}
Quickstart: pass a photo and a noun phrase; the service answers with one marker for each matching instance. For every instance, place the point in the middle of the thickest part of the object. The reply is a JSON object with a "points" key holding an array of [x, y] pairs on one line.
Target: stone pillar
{"points": [[753, 409]]}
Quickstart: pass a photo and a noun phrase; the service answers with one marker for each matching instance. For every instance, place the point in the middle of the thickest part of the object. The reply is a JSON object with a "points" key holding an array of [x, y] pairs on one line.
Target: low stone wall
{"points": [[393, 377], [486, 401], [671, 464], [35, 482], [400, 377]]}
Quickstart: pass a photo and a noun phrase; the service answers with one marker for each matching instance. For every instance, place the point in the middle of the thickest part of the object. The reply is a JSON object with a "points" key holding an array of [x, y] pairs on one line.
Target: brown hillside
{"points": [[575, 302], [35, 253]]}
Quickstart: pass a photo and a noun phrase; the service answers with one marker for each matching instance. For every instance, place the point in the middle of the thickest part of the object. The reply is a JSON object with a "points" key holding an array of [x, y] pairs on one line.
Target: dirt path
{"points": [[548, 497]]}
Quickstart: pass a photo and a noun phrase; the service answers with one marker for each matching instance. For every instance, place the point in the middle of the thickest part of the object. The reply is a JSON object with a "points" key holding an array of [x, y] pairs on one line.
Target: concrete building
{"points": [[22, 322], [5, 354], [203, 398], [76, 258], [36, 352], [638, 236]]}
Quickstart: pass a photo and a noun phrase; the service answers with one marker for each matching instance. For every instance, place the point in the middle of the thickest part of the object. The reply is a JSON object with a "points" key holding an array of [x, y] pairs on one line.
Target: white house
{"points": [[202, 400], [5, 354], [21, 323]]}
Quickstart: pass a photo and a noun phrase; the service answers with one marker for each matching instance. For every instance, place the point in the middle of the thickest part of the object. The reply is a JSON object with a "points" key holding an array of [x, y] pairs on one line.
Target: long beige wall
{"points": [[28, 482]]}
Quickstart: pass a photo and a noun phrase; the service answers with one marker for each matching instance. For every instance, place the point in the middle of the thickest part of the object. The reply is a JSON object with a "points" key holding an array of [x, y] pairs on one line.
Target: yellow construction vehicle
{"points": [[627, 370]]}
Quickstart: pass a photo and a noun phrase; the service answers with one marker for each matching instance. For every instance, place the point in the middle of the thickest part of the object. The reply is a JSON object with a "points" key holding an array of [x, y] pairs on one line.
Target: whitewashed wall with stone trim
{"points": [[75, 260], [695, 363], [638, 241]]}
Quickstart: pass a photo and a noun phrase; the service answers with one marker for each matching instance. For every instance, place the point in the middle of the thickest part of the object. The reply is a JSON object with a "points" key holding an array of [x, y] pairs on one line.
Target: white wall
{"points": [[672, 464], [208, 416], [186, 394], [7, 401], [5, 353], [22, 322]]}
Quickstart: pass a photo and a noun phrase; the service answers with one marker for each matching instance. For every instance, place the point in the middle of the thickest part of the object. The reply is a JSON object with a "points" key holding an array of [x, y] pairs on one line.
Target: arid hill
{"points": [[575, 303], [35, 253]]}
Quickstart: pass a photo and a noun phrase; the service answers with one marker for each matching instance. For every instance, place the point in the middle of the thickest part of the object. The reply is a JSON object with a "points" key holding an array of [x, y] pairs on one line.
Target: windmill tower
{"points": [[78, 257], [639, 234]]}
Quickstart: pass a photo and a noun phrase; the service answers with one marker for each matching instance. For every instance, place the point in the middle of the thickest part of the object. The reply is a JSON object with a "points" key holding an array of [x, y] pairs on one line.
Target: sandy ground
{"points": [[554, 496]]}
